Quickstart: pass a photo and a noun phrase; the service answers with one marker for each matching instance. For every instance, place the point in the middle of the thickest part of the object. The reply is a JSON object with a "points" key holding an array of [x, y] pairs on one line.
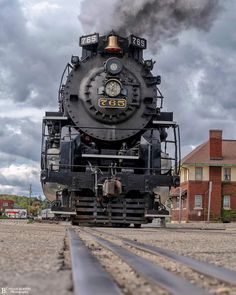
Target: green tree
{"points": [[34, 205]]}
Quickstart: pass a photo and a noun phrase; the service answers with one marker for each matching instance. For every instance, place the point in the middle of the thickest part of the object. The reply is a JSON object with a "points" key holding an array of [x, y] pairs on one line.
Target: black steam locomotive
{"points": [[104, 152]]}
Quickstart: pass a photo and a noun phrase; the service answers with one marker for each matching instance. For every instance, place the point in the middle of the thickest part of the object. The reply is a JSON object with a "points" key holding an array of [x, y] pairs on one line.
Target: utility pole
{"points": [[30, 193], [180, 204], [209, 202], [30, 190]]}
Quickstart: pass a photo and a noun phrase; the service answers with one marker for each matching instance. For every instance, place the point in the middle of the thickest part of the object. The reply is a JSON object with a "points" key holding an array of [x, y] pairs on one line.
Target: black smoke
{"points": [[160, 21], [164, 19]]}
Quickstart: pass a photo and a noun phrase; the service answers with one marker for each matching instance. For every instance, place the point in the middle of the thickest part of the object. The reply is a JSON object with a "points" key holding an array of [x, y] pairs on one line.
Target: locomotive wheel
{"points": [[137, 225], [74, 221], [126, 225]]}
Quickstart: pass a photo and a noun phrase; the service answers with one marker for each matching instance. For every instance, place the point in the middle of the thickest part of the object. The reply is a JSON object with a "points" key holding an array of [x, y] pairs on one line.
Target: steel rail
{"points": [[205, 231], [150, 229], [149, 270], [220, 273], [89, 277]]}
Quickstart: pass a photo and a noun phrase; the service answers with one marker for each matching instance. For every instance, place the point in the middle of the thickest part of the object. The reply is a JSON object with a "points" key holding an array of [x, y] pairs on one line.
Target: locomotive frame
{"points": [[106, 173]]}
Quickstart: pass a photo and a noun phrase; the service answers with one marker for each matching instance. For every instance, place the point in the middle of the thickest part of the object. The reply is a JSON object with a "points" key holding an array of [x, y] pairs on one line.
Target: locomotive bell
{"points": [[113, 44]]}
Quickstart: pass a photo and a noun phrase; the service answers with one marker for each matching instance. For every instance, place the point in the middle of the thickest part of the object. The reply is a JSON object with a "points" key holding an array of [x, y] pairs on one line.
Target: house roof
{"points": [[201, 155]]}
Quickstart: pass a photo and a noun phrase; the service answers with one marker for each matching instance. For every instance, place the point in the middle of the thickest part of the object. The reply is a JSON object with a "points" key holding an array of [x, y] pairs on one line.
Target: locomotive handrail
{"points": [[109, 166], [110, 156], [68, 68], [159, 95], [111, 128], [179, 151]]}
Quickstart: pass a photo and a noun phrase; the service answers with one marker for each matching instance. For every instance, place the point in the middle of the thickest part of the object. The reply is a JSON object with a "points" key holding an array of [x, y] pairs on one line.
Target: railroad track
{"points": [[89, 277], [190, 230]]}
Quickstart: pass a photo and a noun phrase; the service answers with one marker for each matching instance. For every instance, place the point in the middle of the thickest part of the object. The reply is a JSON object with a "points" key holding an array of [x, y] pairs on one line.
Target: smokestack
{"points": [[215, 143]]}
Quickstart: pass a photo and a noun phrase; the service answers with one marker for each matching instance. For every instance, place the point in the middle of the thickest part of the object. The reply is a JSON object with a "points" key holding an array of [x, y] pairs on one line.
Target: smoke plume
{"points": [[158, 20]]}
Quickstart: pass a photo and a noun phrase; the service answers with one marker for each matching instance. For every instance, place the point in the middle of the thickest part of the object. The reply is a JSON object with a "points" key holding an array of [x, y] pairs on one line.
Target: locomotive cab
{"points": [[106, 152]]}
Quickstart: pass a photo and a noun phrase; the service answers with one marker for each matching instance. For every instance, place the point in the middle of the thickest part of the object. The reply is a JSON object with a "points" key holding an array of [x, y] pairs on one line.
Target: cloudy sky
{"points": [[193, 42]]}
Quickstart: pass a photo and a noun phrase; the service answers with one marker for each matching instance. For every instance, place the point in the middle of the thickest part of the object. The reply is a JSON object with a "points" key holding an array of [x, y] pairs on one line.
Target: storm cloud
{"points": [[37, 39], [35, 43]]}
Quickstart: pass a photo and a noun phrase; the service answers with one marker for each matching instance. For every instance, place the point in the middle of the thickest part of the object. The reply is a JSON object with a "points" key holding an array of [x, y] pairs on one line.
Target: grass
{"points": [[3, 217], [29, 221]]}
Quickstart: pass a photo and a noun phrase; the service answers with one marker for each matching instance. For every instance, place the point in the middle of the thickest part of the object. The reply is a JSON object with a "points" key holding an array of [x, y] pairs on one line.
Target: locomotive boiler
{"points": [[107, 158]]}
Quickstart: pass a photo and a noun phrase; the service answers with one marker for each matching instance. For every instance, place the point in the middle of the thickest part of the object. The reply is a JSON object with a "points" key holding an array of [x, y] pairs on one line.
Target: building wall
{"points": [[198, 188], [233, 173], [184, 174], [16, 213], [219, 189], [216, 195], [205, 173], [175, 205], [175, 215], [6, 204], [214, 174], [188, 173], [202, 188], [229, 188]]}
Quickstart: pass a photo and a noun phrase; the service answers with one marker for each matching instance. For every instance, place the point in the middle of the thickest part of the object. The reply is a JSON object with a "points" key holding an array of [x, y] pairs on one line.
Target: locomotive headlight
{"points": [[113, 88], [113, 66]]}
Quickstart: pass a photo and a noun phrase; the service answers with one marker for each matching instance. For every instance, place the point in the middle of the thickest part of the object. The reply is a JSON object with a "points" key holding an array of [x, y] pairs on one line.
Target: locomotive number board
{"points": [[138, 42], [117, 103], [88, 40]]}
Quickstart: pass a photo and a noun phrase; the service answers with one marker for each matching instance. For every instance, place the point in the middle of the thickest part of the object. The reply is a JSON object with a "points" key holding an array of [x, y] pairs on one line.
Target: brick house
{"points": [[207, 173], [6, 204]]}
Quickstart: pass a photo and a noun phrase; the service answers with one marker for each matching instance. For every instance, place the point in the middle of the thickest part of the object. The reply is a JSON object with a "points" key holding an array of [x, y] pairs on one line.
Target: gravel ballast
{"points": [[205, 245], [32, 257], [36, 256]]}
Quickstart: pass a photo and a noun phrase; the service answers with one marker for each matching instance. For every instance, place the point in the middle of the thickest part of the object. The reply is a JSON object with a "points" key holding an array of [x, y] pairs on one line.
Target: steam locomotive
{"points": [[105, 153]]}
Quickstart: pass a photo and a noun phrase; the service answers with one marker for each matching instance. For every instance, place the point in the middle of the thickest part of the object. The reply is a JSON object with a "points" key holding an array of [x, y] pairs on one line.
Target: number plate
{"points": [[88, 40], [138, 42], [118, 103]]}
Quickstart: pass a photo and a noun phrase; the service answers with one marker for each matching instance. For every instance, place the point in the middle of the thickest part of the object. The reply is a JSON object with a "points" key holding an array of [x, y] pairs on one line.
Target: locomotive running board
{"points": [[64, 213], [55, 118], [110, 156], [157, 216], [169, 123]]}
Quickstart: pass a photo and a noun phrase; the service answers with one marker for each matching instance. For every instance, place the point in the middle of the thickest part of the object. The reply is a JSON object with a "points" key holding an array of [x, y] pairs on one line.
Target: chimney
{"points": [[215, 142]]}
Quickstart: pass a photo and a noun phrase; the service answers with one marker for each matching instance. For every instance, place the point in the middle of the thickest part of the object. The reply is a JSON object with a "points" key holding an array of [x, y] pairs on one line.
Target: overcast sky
{"points": [[197, 63]]}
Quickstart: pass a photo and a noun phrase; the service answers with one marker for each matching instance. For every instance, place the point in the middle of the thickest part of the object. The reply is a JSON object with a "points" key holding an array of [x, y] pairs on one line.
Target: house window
{"points": [[185, 174], [227, 173], [183, 203], [5, 204], [226, 202], [198, 173], [198, 202], [177, 203]]}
